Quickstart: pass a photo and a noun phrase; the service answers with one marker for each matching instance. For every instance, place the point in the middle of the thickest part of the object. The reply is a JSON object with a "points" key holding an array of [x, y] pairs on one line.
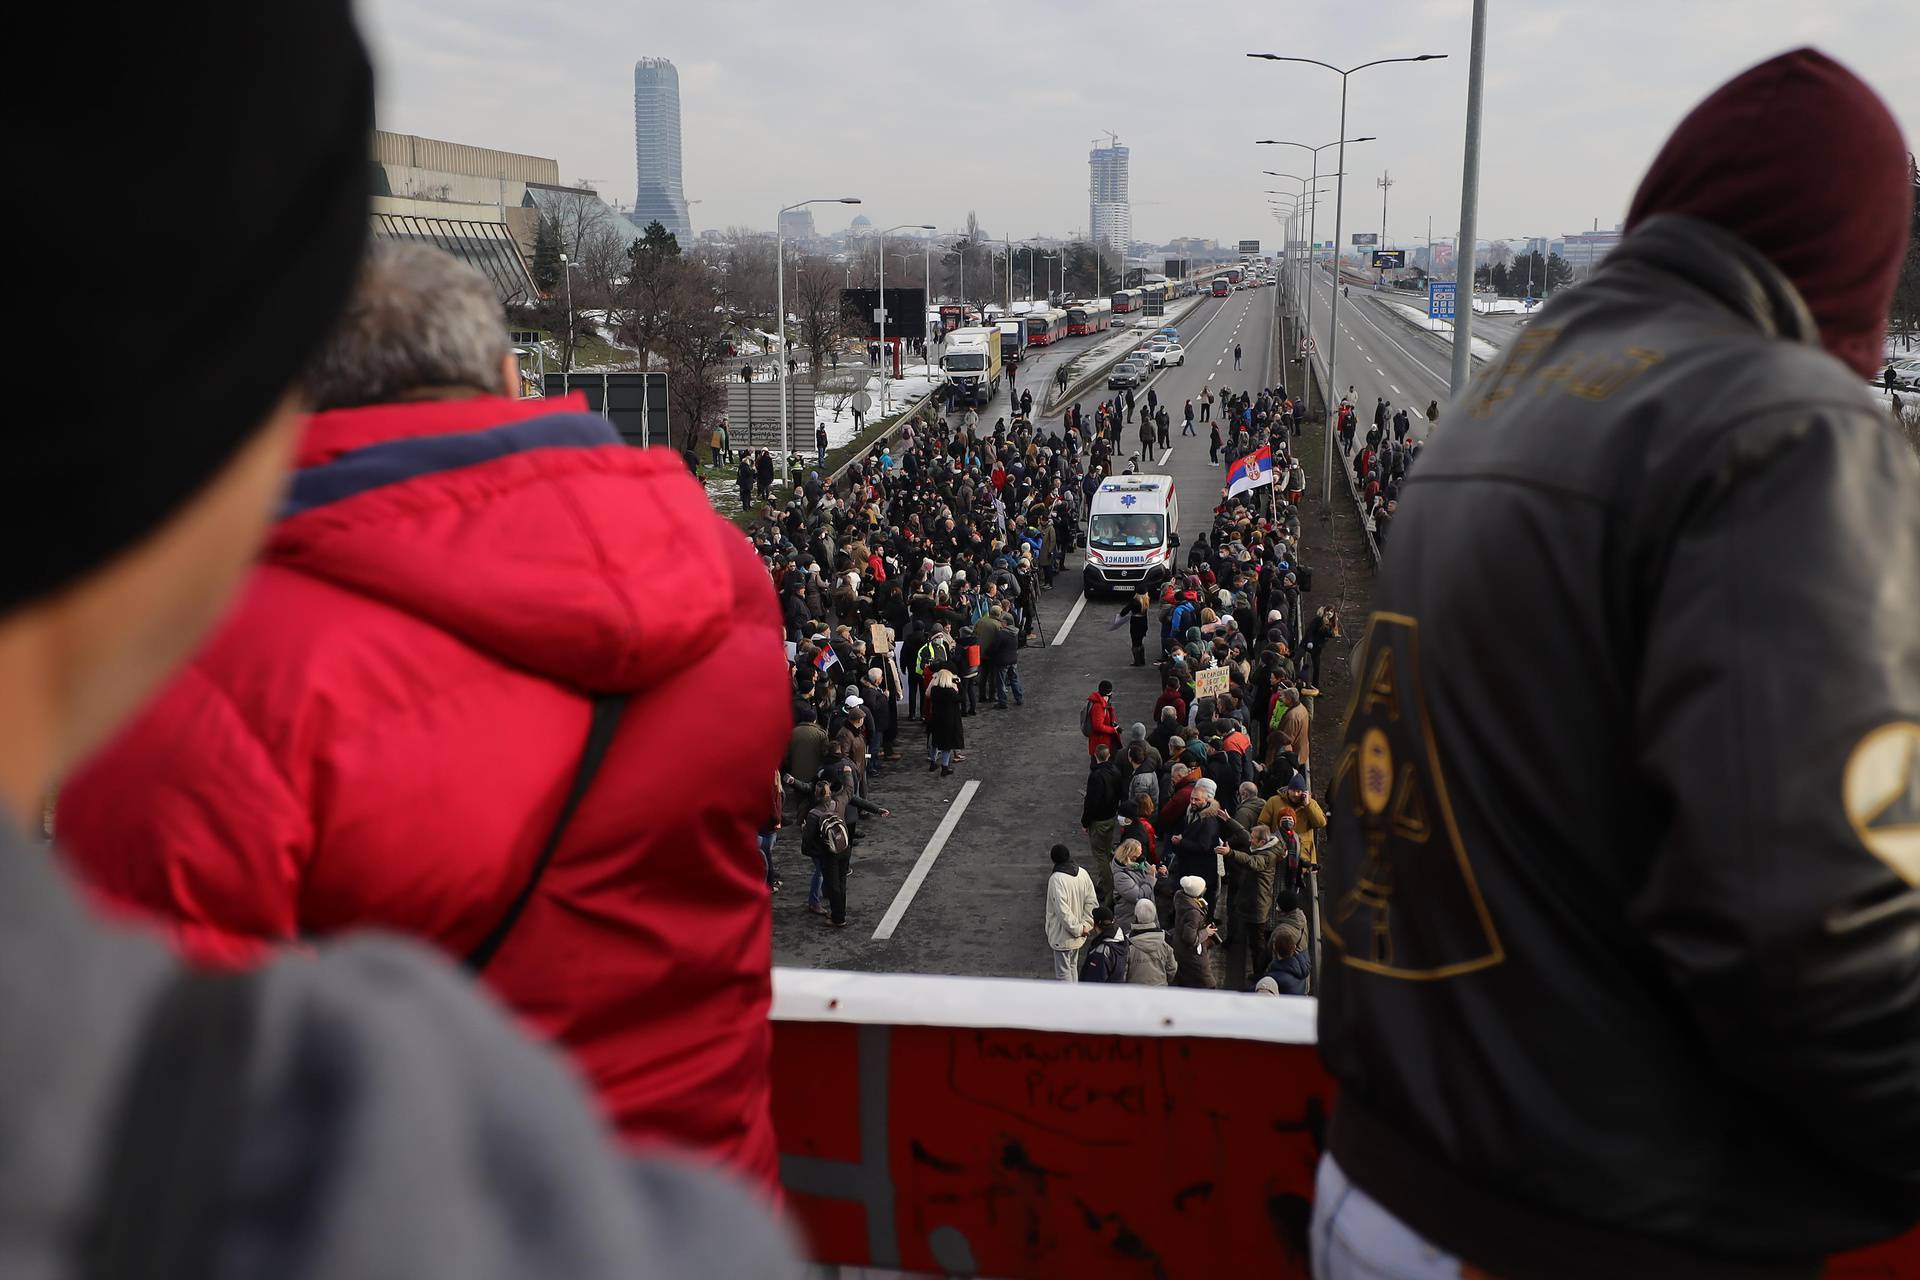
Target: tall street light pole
{"points": [[1304, 184], [1469, 207], [566, 363], [905, 226], [1339, 210], [1313, 217], [780, 270]]}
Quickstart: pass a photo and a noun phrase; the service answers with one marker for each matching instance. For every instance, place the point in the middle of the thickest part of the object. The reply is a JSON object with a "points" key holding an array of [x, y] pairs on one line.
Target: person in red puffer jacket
{"points": [[383, 733]]}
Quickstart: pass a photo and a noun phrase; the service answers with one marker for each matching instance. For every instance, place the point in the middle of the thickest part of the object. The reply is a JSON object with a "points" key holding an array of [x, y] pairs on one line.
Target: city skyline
{"points": [[1565, 144]]}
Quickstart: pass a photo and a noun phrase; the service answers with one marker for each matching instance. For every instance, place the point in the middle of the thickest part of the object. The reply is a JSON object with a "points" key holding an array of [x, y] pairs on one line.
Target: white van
{"points": [[1133, 532]]}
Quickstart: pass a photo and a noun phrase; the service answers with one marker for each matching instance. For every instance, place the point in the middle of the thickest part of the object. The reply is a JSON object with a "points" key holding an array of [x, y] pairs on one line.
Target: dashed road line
{"points": [[916, 877], [1390, 386]]}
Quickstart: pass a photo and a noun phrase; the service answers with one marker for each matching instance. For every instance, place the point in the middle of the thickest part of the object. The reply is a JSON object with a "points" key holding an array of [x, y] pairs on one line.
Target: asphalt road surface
{"points": [[959, 870], [1381, 355]]}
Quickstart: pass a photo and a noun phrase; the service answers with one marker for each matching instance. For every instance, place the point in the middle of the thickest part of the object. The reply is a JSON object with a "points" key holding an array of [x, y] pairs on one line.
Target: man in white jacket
{"points": [[1070, 902]]}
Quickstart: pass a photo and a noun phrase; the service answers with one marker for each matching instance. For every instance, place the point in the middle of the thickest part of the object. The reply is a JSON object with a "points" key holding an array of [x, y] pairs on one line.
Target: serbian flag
{"points": [[1251, 471], [826, 659]]}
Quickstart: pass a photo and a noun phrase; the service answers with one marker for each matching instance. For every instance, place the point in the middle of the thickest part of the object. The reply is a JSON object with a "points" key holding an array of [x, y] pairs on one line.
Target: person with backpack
{"points": [[1069, 913], [1098, 721], [1150, 959], [1104, 957], [826, 839]]}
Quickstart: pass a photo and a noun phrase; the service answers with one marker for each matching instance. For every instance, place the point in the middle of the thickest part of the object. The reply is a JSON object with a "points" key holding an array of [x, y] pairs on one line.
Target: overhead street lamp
{"points": [[1313, 216], [1339, 207], [780, 271], [905, 226]]}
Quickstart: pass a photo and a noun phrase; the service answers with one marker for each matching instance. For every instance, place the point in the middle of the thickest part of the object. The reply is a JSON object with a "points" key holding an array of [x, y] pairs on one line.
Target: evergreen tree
{"points": [[657, 241], [546, 256]]}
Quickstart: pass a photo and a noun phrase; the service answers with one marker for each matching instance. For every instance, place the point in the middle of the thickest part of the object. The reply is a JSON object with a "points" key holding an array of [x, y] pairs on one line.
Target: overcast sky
{"points": [[929, 110]]}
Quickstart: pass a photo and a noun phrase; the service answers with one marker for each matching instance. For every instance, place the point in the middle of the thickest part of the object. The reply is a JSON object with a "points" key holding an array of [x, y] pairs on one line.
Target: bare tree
{"points": [[700, 319], [644, 302], [814, 297], [749, 264]]}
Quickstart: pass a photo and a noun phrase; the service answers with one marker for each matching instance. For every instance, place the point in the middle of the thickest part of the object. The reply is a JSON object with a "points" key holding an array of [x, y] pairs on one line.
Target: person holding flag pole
{"points": [[1250, 471]]}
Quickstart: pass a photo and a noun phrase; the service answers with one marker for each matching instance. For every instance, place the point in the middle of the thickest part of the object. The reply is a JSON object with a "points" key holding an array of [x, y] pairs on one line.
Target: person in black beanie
{"points": [[359, 1111]]}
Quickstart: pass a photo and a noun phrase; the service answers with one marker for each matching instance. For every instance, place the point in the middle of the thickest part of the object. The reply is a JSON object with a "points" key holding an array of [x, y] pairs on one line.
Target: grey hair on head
{"points": [[419, 320]]}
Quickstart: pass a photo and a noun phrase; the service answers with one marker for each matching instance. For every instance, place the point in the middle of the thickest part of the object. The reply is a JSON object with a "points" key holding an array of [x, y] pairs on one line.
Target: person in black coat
{"points": [[1137, 617], [945, 733]]}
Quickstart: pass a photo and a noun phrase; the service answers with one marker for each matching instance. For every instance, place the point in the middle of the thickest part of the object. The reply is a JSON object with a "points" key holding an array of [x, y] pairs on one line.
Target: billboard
{"points": [[635, 403], [1176, 268], [1366, 238], [1249, 246], [1440, 296], [906, 312], [1389, 259]]}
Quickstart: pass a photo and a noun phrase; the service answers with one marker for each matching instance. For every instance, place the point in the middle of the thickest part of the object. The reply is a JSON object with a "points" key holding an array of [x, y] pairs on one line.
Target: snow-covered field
{"points": [[1482, 349]]}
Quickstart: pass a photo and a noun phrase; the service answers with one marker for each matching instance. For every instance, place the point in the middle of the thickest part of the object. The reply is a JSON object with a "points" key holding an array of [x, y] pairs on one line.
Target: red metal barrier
{"points": [[974, 1126]]}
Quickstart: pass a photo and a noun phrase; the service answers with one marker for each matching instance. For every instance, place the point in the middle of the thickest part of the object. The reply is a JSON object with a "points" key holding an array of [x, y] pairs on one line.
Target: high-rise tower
{"points": [[1109, 216], [658, 194]]}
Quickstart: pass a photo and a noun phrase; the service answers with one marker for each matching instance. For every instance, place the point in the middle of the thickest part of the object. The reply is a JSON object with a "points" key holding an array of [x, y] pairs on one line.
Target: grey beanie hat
{"points": [[1144, 914]]}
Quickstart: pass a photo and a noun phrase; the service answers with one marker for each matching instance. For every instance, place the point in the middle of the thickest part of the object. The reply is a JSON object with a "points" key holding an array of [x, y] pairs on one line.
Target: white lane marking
{"points": [[1369, 359], [1060, 636], [1393, 388], [1165, 458], [916, 877], [1210, 376]]}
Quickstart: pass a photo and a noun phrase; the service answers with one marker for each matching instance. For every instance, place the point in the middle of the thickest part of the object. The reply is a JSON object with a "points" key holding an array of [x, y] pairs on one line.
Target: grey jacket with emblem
{"points": [[1611, 961]]}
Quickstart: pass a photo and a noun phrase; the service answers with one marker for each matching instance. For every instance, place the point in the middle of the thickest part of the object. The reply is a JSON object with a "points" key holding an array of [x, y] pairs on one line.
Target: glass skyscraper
{"points": [[1109, 214], [658, 194]]}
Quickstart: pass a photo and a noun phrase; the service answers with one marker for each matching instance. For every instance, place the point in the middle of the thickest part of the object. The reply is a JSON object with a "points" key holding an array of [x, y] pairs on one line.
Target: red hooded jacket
{"points": [[1105, 729], [382, 733]]}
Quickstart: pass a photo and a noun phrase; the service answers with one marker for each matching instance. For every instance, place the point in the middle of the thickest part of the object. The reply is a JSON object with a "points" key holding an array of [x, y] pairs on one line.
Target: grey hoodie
{"points": [[394, 1123]]}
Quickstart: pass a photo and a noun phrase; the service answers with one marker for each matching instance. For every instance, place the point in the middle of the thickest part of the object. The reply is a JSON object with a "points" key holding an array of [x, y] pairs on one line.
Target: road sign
{"points": [[1249, 246], [1389, 259], [1440, 296], [753, 412], [1366, 237]]}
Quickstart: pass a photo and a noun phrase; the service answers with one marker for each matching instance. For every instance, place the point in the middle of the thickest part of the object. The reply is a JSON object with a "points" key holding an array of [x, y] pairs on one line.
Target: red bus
{"points": [[1089, 317], [1127, 300], [1221, 288], [1044, 327]]}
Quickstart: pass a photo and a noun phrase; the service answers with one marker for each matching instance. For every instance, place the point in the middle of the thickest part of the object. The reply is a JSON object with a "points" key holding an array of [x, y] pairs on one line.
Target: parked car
{"points": [[1171, 353], [1128, 373]]}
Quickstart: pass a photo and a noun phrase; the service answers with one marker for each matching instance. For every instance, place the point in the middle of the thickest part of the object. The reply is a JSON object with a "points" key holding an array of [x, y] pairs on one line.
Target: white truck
{"points": [[971, 365]]}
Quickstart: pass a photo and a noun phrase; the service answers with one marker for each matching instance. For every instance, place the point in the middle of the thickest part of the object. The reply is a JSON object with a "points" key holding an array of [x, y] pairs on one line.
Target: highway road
{"points": [[954, 882], [1380, 355]]}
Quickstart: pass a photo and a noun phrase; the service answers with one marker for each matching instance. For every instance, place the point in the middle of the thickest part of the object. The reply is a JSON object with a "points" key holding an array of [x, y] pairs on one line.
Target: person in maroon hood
{"points": [[387, 730], [1622, 943]]}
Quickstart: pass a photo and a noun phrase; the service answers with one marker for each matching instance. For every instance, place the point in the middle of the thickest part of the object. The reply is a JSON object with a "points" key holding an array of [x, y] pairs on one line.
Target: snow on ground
{"points": [[1487, 306], [1482, 349]]}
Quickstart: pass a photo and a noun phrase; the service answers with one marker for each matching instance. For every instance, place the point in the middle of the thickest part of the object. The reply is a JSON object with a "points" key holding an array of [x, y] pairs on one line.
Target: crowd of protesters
{"points": [[1383, 457], [1198, 813], [908, 588]]}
